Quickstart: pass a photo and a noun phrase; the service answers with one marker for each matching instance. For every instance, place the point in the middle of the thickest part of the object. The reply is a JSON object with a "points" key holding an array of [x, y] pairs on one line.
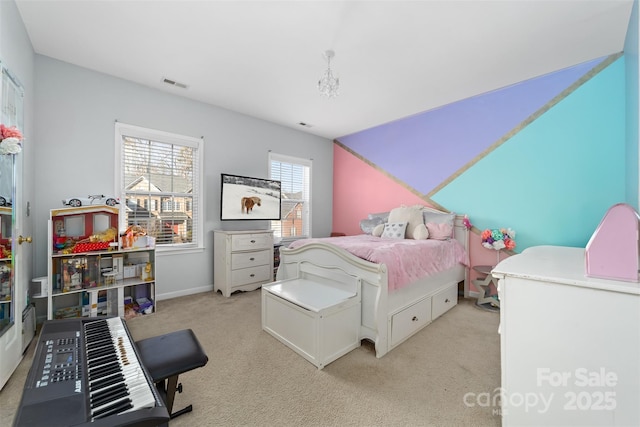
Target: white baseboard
{"points": [[185, 292], [474, 294], [191, 291]]}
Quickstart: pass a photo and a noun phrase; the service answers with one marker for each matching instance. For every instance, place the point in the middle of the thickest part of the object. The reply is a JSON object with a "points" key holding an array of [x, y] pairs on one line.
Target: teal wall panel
{"points": [[554, 180]]}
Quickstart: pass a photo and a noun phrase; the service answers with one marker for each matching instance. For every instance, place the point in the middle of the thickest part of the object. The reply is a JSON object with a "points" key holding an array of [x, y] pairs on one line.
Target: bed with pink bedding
{"points": [[406, 283], [407, 260]]}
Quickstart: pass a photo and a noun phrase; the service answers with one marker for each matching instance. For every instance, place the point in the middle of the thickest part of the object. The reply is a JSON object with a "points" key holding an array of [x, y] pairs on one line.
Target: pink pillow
{"points": [[439, 231]]}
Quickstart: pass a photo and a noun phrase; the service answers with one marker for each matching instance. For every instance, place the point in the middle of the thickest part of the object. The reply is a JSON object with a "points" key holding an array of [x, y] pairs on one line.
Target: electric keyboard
{"points": [[86, 372]]}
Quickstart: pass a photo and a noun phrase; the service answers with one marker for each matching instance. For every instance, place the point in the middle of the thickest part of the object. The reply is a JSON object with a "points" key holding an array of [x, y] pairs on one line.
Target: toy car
{"points": [[5, 201], [92, 199]]}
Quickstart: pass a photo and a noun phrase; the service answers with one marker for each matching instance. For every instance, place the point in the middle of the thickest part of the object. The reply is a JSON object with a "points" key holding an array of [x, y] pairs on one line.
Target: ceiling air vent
{"points": [[174, 83]]}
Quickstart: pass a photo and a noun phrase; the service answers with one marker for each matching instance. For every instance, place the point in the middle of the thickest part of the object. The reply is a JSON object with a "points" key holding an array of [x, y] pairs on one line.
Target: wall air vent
{"points": [[174, 83]]}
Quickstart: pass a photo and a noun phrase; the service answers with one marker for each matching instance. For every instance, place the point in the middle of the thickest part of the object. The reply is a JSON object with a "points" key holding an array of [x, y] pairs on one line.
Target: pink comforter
{"points": [[407, 260]]}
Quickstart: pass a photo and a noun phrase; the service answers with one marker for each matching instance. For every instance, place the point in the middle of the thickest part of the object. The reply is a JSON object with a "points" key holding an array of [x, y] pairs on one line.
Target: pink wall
{"points": [[369, 190], [363, 192]]}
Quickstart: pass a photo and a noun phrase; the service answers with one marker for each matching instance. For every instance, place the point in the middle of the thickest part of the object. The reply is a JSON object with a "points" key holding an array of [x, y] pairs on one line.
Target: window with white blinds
{"points": [[295, 176], [160, 178]]}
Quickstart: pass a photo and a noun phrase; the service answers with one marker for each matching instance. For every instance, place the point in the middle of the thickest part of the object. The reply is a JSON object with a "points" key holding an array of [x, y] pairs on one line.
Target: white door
{"points": [[11, 319], [15, 300]]}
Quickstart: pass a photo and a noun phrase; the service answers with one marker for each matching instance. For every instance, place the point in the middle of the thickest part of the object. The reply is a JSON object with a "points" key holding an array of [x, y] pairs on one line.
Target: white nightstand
{"points": [[487, 294]]}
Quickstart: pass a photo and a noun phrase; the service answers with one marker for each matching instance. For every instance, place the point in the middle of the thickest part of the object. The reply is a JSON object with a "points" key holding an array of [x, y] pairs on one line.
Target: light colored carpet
{"points": [[254, 380]]}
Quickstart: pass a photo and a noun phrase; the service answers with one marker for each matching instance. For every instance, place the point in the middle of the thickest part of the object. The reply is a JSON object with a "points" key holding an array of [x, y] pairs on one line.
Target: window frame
{"points": [[307, 163], [123, 129]]}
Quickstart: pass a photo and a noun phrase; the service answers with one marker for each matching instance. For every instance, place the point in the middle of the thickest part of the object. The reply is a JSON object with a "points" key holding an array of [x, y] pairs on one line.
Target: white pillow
{"points": [[410, 215], [378, 230], [394, 230], [421, 232]]}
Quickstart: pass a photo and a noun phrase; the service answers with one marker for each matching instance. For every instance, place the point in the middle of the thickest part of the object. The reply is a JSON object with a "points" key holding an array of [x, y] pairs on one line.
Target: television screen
{"points": [[247, 198]]}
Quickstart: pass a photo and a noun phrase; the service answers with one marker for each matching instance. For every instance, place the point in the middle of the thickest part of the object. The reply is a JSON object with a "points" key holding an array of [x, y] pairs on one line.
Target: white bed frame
{"points": [[388, 318]]}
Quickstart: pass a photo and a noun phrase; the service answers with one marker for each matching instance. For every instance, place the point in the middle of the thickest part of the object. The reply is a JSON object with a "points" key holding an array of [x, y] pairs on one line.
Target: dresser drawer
{"points": [[248, 242], [244, 276], [406, 322], [444, 300], [250, 259]]}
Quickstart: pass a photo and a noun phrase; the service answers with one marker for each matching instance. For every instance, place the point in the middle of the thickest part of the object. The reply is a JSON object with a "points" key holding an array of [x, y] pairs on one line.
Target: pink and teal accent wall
{"points": [[545, 157]]}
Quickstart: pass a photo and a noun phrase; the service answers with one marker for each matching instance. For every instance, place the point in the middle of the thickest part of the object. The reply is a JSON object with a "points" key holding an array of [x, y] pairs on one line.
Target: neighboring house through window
{"points": [[295, 176], [159, 177]]}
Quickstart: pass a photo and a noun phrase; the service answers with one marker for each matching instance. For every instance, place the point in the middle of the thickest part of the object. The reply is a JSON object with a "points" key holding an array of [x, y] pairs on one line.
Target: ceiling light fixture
{"points": [[329, 85]]}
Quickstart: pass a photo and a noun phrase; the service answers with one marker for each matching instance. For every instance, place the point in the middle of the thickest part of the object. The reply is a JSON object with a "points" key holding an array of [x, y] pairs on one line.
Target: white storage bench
{"points": [[316, 314]]}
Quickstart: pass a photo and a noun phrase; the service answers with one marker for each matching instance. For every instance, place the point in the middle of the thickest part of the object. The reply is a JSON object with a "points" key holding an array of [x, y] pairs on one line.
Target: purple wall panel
{"points": [[447, 138]]}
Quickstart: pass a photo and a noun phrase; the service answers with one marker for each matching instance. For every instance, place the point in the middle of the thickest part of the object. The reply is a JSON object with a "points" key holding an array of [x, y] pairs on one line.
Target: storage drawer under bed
{"points": [[444, 301], [411, 319], [406, 322]]}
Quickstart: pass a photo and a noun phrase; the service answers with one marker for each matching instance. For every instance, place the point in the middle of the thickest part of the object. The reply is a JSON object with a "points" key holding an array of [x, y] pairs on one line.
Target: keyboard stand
{"points": [[166, 357]]}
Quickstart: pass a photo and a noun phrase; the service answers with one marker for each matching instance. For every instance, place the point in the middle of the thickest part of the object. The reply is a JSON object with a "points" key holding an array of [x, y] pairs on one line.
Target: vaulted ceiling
{"points": [[264, 58]]}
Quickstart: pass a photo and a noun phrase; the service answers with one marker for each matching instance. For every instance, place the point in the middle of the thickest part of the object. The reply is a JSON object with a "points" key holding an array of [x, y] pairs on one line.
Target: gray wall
{"points": [[17, 54], [75, 112]]}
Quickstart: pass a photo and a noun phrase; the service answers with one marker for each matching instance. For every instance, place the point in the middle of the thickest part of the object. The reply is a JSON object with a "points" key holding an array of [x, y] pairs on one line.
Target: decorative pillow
{"points": [[367, 225], [411, 215], [439, 231], [394, 230], [378, 230], [382, 216], [421, 232], [439, 218]]}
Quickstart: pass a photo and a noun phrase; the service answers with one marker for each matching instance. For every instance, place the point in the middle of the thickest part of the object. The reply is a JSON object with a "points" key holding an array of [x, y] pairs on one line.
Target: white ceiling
{"points": [[263, 58]]}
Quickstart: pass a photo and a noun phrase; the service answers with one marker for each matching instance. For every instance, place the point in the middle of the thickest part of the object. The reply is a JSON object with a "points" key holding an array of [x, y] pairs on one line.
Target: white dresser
{"points": [[243, 260], [570, 344]]}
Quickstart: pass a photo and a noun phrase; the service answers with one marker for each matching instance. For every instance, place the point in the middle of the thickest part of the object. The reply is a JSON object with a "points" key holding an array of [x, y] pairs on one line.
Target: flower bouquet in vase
{"points": [[10, 140], [498, 239]]}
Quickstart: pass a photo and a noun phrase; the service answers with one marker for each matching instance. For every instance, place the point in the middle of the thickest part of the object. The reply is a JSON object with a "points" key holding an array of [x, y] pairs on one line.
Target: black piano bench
{"points": [[166, 357]]}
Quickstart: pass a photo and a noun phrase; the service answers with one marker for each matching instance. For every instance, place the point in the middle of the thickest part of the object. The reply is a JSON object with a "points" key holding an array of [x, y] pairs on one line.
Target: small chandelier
{"points": [[329, 85]]}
